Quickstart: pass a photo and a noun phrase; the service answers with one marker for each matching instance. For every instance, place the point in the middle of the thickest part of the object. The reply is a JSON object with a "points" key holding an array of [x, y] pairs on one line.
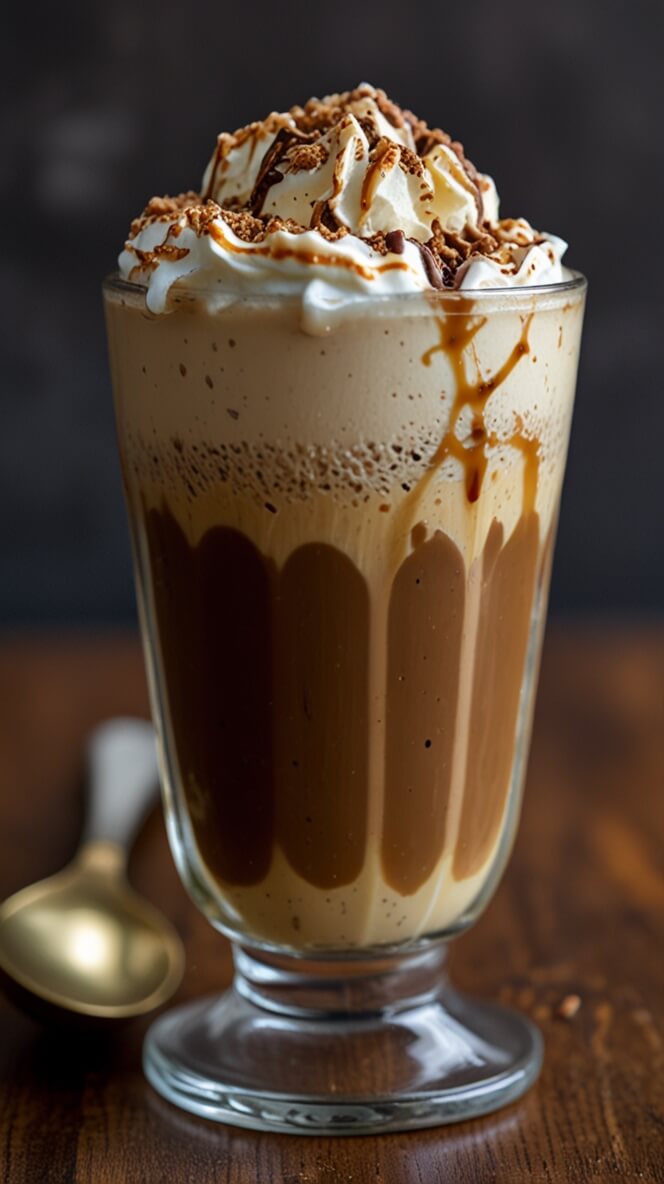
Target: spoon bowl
{"points": [[83, 940]]}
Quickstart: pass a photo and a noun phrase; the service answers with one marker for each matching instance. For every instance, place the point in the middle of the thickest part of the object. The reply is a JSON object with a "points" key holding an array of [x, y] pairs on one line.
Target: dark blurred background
{"points": [[107, 104]]}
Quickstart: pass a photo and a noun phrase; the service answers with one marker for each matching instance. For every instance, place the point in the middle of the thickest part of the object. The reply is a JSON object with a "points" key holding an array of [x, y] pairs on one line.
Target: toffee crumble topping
{"points": [[298, 148]]}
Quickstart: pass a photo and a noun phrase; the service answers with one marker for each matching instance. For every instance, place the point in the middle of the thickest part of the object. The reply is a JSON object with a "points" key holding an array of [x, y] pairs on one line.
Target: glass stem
{"points": [[320, 988]]}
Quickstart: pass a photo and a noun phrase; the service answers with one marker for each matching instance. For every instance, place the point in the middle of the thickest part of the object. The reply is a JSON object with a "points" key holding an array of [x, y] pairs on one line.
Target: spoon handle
{"points": [[124, 780]]}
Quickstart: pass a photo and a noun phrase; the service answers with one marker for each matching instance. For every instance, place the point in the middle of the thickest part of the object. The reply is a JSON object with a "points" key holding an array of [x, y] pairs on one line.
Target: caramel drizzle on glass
{"points": [[455, 335]]}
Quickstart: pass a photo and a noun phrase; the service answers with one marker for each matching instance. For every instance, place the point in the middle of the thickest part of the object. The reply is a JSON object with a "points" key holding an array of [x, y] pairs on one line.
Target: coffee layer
{"points": [[267, 677]]}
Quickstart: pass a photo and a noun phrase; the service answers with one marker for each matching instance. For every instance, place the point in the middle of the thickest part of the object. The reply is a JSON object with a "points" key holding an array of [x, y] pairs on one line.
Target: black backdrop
{"points": [[108, 103]]}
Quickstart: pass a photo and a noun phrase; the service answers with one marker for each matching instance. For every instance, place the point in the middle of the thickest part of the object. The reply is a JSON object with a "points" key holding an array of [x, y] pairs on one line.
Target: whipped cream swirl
{"points": [[349, 196]]}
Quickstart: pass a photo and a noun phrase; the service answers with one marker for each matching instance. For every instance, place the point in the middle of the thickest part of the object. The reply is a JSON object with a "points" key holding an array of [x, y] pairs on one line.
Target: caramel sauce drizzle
{"points": [[324, 206], [310, 257], [455, 335], [226, 143], [529, 447], [376, 171]]}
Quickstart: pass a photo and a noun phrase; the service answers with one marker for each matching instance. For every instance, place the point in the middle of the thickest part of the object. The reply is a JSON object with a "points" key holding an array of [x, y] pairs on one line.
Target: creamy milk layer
{"points": [[347, 198], [344, 544]]}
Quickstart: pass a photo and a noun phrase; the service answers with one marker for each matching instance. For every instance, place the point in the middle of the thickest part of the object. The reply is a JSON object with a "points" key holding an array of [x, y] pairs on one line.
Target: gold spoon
{"points": [[84, 940]]}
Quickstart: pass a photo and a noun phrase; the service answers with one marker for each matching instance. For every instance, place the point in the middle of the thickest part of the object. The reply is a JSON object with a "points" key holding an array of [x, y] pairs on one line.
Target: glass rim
{"points": [[524, 294]]}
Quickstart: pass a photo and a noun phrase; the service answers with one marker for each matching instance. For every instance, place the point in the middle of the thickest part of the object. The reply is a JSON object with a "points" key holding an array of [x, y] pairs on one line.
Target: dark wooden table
{"points": [[579, 913]]}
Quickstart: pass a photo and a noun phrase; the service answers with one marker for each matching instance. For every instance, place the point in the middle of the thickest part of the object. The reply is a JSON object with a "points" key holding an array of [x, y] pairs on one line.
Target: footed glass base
{"points": [[341, 1047]]}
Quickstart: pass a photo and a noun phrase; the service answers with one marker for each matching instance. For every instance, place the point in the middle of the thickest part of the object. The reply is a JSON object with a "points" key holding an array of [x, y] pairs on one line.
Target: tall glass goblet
{"points": [[342, 545]]}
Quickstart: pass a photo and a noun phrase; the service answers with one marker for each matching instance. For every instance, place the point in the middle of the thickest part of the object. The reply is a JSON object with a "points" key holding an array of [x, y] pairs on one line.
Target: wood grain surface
{"points": [[579, 913]]}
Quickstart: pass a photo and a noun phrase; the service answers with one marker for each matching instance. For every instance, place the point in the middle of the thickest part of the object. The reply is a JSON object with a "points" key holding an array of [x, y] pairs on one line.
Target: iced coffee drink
{"points": [[344, 388]]}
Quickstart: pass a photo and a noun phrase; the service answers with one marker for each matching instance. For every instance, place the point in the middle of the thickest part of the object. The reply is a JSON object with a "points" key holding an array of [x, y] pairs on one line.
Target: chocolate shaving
{"points": [[326, 221], [429, 263], [268, 173], [395, 241], [370, 129], [428, 139]]}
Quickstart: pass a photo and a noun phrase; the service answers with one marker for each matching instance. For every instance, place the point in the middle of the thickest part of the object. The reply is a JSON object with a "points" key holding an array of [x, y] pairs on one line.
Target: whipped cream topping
{"points": [[349, 196]]}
